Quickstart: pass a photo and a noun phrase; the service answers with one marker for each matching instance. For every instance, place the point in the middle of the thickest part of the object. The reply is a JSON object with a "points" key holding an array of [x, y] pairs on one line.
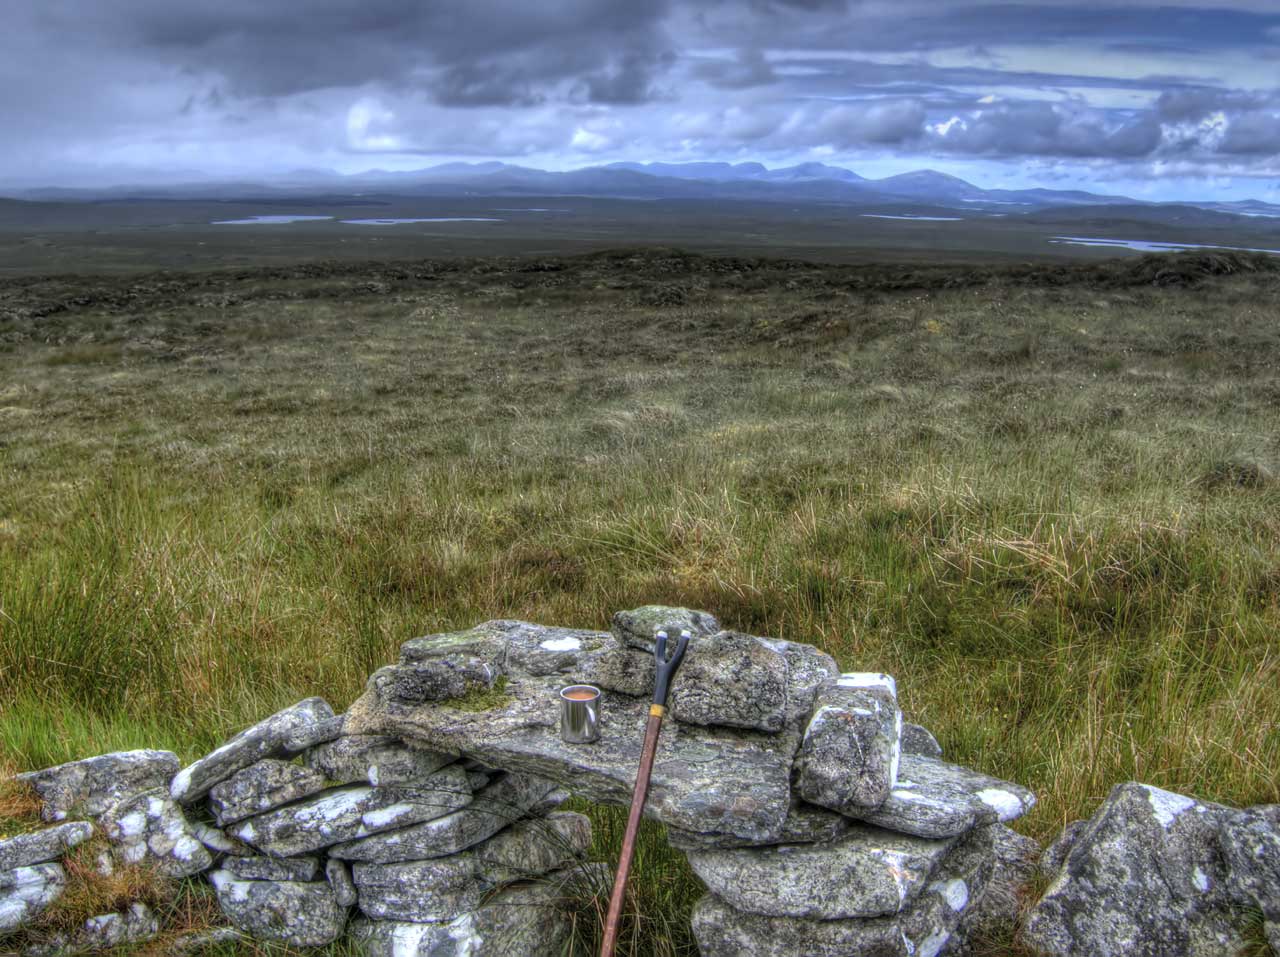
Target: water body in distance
{"points": [[266, 220], [431, 219], [1147, 246], [923, 219]]}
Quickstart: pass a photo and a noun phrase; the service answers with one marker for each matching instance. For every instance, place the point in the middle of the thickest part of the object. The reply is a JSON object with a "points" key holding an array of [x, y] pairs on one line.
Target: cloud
{"points": [[748, 69]]}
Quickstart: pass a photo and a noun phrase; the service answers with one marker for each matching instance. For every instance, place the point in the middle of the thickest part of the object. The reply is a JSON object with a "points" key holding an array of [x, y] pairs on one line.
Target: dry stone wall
{"points": [[425, 820]]}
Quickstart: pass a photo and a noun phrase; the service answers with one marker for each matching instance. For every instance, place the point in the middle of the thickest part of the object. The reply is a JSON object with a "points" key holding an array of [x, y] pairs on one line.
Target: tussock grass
{"points": [[1006, 488]]}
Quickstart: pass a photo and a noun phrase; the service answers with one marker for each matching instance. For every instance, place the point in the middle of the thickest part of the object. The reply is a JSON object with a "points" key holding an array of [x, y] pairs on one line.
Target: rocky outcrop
{"points": [[1153, 873], [90, 787]]}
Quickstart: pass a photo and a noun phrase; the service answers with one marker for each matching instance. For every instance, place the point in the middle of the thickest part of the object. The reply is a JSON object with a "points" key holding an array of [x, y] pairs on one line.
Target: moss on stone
{"points": [[480, 699]]}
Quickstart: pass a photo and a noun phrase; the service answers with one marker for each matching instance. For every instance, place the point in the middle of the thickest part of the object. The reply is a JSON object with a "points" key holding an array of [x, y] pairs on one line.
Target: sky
{"points": [[1157, 100]]}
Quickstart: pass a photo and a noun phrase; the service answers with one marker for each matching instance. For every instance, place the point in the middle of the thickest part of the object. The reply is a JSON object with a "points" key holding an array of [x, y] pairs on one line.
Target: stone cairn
{"points": [[423, 821]]}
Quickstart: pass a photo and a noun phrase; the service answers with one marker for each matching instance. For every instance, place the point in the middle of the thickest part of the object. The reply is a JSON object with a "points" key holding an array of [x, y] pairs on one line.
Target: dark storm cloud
{"points": [[192, 84]]}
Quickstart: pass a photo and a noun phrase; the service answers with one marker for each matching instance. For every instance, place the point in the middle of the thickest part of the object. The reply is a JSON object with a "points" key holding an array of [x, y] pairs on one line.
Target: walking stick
{"points": [[666, 671]]}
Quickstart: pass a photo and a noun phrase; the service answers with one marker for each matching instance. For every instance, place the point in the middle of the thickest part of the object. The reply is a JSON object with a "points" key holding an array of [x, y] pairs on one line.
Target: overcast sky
{"points": [[1156, 99]]}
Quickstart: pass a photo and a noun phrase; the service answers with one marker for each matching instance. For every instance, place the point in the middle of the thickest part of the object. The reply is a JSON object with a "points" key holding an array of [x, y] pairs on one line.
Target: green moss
{"points": [[480, 699]]}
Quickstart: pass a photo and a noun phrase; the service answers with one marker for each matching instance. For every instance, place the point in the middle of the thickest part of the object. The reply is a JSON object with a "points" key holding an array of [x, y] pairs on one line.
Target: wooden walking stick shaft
{"points": [[649, 749]]}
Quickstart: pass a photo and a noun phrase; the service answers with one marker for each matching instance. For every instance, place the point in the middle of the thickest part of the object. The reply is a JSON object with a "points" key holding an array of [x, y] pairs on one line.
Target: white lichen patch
{"points": [[955, 892], [868, 679], [387, 816], [1167, 806], [1007, 806], [561, 644], [1201, 880]]}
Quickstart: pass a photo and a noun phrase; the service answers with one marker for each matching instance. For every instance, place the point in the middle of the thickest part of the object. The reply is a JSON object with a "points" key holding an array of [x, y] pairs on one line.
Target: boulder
{"points": [[338, 874], [26, 891], [349, 813], [506, 800], [91, 786], [375, 759], [268, 784], [151, 828], [923, 929], [933, 798], [273, 868], [867, 872], [919, 740], [39, 847], [442, 888], [285, 733], [299, 914], [636, 628], [102, 933], [848, 760], [731, 680], [1156, 873]]}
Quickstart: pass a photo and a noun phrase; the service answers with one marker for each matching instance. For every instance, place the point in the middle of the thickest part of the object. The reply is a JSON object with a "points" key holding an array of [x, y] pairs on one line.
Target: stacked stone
{"points": [[319, 826], [902, 866]]}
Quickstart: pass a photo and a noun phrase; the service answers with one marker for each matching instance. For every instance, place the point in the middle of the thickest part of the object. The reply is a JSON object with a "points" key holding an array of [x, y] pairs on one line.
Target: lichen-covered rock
{"points": [[375, 759], [338, 874], [273, 868], [285, 733], [39, 847], [867, 872], [731, 680], [26, 891], [218, 840], [151, 828], [528, 919], [919, 740], [1055, 855], [805, 824], [923, 929], [262, 786], [444, 678], [288, 912], [808, 669], [618, 667], [201, 942], [932, 798], [349, 813], [89, 787], [101, 933], [638, 626], [1157, 873], [441, 888], [539, 650], [848, 760], [993, 913], [505, 801]]}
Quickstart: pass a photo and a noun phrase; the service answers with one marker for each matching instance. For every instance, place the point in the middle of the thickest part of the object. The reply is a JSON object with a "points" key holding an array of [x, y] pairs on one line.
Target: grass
{"points": [[1042, 497]]}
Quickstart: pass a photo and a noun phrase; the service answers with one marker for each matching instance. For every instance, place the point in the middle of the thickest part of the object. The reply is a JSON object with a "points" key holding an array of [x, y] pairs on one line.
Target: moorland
{"points": [[1041, 494]]}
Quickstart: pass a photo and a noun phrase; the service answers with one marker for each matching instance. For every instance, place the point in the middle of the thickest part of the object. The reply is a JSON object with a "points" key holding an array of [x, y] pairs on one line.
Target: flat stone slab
{"points": [[89, 787], [528, 919], [848, 759], [26, 891], [1154, 873], [263, 786], [505, 801], [285, 733], [637, 626], [345, 814], [924, 929], [273, 868], [705, 779], [39, 847], [933, 798], [102, 933], [867, 872], [288, 912], [805, 824], [151, 828], [442, 888], [375, 759]]}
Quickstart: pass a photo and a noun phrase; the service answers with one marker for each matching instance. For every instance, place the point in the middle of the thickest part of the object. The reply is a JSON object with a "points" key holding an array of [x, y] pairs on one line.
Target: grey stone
{"points": [[919, 740], [263, 786], [287, 912], [1156, 873], [933, 798], [375, 759], [201, 941], [273, 868], [441, 888], [805, 824], [284, 733], [312, 734], [539, 650], [529, 919], [89, 787], [731, 680], [930, 924], [104, 932], [38, 847], [349, 813], [26, 891], [618, 667], [503, 802], [151, 828], [993, 913], [848, 759], [705, 779], [867, 872], [807, 670], [637, 627], [338, 874], [442, 678], [1055, 855], [218, 840]]}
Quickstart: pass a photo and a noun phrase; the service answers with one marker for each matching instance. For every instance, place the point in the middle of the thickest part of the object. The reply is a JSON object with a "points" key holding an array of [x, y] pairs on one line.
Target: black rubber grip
{"points": [[667, 666]]}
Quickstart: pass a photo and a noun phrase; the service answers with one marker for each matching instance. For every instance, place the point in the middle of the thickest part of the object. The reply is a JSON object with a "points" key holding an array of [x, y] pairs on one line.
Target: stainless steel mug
{"points": [[579, 714]]}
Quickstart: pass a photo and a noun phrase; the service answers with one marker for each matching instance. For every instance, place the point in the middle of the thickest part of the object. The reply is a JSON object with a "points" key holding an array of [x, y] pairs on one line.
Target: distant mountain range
{"points": [[807, 182]]}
